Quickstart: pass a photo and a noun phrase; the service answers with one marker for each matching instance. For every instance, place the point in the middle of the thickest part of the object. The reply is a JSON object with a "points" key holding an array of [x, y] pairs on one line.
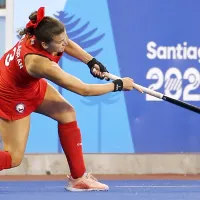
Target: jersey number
{"points": [[10, 57]]}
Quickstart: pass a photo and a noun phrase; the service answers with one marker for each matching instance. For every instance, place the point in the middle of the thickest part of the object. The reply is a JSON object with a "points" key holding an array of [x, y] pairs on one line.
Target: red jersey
{"points": [[20, 93]]}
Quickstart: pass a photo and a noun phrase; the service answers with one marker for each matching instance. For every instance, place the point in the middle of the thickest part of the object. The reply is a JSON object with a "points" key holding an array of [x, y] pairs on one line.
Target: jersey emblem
{"points": [[20, 108]]}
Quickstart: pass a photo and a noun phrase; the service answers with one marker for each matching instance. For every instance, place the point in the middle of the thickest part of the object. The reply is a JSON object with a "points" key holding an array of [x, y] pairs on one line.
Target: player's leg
{"points": [[14, 135], [57, 108]]}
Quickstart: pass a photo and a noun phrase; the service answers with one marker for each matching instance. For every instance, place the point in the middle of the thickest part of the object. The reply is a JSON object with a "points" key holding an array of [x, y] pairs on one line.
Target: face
{"points": [[58, 43]]}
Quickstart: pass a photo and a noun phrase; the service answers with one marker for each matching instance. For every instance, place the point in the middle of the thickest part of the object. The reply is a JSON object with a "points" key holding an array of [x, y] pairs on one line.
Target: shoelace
{"points": [[87, 175]]}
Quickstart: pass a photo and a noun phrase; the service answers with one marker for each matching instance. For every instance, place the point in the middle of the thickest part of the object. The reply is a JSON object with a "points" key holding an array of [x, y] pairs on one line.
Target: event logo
{"points": [[180, 51], [174, 82]]}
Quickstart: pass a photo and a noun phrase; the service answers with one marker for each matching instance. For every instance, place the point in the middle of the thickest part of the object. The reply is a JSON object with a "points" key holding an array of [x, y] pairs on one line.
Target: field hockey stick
{"points": [[159, 95]]}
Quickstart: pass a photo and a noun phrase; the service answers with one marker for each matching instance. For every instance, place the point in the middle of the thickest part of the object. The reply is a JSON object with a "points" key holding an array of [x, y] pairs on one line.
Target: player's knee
{"points": [[16, 159], [69, 115], [71, 111]]}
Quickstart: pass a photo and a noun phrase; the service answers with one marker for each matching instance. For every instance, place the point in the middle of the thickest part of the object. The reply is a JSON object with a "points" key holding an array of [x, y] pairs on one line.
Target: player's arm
{"points": [[76, 51], [41, 67]]}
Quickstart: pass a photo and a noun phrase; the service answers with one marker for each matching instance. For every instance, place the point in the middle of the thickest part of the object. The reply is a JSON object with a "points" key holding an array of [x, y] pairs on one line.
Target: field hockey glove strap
{"points": [[102, 68]]}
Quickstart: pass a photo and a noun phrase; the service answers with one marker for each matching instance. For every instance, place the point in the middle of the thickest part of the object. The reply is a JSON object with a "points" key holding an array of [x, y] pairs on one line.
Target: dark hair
{"points": [[46, 29]]}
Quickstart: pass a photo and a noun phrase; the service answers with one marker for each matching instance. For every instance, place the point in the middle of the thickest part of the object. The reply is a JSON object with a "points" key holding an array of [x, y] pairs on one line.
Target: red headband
{"points": [[40, 16]]}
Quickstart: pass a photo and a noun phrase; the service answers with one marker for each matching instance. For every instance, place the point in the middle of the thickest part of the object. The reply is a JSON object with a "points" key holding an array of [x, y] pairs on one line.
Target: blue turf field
{"points": [[125, 190]]}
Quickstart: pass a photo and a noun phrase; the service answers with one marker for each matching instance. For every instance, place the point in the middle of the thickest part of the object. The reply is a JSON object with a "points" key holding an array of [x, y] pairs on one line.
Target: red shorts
{"points": [[17, 105]]}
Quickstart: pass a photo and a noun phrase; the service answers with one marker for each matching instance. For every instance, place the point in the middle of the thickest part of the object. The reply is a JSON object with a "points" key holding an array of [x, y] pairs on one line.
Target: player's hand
{"points": [[97, 69], [128, 85]]}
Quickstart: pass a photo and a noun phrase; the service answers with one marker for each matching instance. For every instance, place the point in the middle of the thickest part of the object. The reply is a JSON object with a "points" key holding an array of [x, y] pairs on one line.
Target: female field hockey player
{"points": [[23, 90]]}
